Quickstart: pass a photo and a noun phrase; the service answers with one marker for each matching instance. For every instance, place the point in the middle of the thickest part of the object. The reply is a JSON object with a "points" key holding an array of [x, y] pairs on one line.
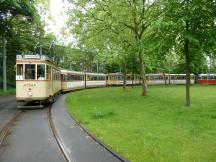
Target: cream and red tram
{"points": [[37, 78], [72, 80], [207, 79]]}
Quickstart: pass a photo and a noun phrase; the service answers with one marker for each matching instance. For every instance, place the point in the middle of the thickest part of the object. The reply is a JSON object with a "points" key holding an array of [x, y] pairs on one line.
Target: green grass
{"points": [[10, 91], [157, 128]]}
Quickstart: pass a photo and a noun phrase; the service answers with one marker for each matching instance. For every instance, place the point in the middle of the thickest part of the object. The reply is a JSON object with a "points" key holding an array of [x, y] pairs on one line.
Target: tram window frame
{"points": [[33, 73], [41, 76], [20, 68]]}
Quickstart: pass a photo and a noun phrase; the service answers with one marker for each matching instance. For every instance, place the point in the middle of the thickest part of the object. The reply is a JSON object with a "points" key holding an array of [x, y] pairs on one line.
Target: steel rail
{"points": [[60, 144], [5, 130]]}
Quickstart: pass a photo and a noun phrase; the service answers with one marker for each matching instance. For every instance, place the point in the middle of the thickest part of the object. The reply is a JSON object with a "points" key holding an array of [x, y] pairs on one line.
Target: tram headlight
{"points": [[30, 94]]}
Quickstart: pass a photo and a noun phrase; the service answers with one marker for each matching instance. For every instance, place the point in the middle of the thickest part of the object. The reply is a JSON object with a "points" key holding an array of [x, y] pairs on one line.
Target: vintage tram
{"points": [[207, 79], [72, 80], [37, 78]]}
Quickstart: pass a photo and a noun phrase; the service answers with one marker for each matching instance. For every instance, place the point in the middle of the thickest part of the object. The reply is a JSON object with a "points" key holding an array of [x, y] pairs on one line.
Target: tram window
{"points": [[66, 78], [173, 78], [75, 77], [48, 72], [160, 78], [19, 75], [41, 72], [204, 77], [119, 77], [79, 77], [29, 71], [62, 77]]}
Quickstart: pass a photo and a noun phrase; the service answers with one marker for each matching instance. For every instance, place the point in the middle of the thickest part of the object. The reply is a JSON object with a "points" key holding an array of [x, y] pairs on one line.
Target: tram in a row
{"points": [[39, 79]]}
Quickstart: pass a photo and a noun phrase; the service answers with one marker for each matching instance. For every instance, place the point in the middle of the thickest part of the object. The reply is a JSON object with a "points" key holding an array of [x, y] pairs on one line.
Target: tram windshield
{"points": [[29, 71], [41, 72]]}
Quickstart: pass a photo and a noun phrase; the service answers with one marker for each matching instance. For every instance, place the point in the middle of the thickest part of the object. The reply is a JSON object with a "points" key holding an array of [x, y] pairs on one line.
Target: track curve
{"points": [[31, 139], [80, 145]]}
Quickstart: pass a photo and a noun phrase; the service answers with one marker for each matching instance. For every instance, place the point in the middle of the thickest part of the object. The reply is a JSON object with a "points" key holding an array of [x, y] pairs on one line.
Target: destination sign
{"points": [[31, 56], [34, 57]]}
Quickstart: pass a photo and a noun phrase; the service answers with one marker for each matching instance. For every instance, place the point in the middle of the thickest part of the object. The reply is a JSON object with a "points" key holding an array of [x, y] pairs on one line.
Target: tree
{"points": [[192, 24], [116, 24], [10, 10]]}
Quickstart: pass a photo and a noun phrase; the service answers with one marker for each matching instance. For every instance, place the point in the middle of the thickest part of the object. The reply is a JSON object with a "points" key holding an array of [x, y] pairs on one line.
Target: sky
{"points": [[58, 12]]}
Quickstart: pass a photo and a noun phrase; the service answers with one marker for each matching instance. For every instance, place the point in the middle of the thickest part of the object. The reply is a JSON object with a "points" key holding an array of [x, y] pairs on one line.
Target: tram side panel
{"points": [[95, 80], [72, 80]]}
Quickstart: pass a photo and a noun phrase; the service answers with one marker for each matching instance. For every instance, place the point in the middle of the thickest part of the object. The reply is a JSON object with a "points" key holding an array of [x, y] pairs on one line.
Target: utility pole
{"points": [[97, 67], [40, 49], [4, 64]]}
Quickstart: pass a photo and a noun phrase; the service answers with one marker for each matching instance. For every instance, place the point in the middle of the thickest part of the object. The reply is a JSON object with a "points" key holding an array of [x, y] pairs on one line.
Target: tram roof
{"points": [[36, 57], [207, 74], [101, 74], [65, 71], [181, 74]]}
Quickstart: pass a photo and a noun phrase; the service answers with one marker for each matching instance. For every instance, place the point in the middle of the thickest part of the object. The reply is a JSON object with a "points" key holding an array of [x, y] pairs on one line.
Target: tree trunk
{"points": [[187, 68], [165, 81], [142, 75], [4, 64]]}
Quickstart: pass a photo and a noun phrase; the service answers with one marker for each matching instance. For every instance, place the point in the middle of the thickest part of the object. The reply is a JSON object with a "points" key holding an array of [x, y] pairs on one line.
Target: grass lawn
{"points": [[10, 91], [157, 128]]}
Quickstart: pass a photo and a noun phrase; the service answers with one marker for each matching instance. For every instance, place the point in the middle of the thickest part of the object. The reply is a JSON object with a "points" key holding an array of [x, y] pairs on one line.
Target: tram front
{"points": [[32, 84]]}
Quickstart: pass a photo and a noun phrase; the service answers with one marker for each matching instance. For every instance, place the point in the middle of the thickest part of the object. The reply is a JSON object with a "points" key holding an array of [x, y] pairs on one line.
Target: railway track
{"points": [[52, 127], [5, 130], [38, 128], [27, 132]]}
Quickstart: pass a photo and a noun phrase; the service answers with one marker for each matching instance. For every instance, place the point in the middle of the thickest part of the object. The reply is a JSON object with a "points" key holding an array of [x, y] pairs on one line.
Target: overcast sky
{"points": [[59, 17]]}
